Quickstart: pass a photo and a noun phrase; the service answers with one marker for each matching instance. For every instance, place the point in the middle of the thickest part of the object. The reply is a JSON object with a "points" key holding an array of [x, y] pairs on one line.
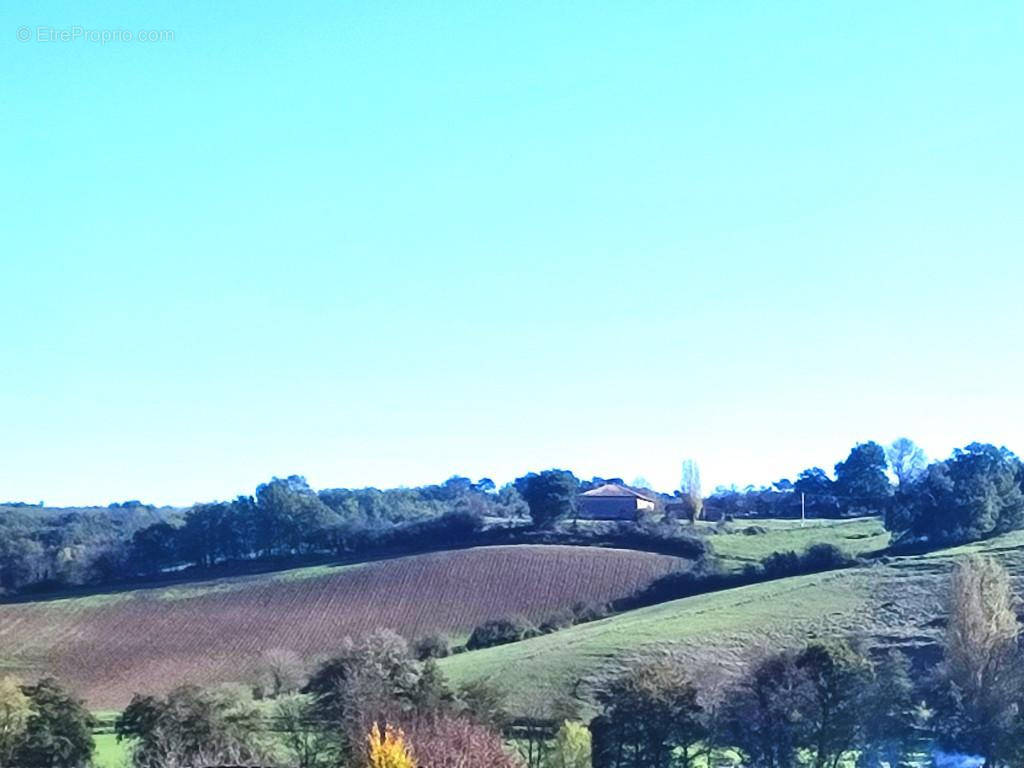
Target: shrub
{"points": [[585, 612], [558, 620], [434, 646], [388, 749], [500, 631]]}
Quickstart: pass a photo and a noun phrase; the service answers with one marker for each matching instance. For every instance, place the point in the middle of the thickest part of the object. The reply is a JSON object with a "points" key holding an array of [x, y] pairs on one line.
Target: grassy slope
{"points": [[899, 603], [856, 536], [108, 646]]}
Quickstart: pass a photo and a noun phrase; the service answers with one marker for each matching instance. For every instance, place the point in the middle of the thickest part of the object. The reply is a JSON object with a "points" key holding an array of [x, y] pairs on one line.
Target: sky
{"points": [[382, 243]]}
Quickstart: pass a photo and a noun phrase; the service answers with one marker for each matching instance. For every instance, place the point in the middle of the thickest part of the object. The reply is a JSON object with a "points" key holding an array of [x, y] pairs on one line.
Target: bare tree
{"points": [[281, 672], [690, 491], [906, 459]]}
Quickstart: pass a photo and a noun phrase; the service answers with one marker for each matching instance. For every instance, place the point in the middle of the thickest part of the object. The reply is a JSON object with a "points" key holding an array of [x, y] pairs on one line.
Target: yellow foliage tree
{"points": [[388, 749]]}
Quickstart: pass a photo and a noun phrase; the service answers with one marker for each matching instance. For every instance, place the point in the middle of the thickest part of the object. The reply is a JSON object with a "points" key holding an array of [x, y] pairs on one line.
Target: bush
{"points": [[434, 646], [824, 557], [585, 612], [501, 631], [558, 620]]}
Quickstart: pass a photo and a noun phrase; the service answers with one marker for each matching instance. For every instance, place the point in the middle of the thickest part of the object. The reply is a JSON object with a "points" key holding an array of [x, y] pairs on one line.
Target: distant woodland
{"points": [[975, 493]]}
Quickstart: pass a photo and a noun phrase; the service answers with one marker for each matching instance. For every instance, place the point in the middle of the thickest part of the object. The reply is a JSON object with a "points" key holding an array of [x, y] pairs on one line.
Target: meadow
{"points": [[890, 603], [747, 542]]}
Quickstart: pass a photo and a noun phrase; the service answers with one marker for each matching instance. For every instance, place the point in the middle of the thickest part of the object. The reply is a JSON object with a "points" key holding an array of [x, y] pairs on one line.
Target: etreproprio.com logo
{"points": [[77, 33]]}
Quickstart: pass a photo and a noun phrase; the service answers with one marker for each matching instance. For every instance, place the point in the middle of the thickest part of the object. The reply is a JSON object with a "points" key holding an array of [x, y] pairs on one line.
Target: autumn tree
{"points": [[455, 741], [977, 699], [690, 490], [387, 749], [374, 680], [572, 746]]}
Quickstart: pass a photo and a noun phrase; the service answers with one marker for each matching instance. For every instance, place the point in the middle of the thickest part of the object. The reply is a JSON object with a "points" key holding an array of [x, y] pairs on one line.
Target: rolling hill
{"points": [[109, 645], [897, 602]]}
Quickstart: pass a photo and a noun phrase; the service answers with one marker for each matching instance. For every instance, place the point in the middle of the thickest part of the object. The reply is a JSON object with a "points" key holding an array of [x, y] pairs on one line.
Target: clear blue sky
{"points": [[386, 242]]}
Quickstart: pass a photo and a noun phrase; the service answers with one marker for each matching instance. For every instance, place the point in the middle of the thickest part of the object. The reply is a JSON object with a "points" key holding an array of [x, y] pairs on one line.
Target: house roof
{"points": [[617, 491]]}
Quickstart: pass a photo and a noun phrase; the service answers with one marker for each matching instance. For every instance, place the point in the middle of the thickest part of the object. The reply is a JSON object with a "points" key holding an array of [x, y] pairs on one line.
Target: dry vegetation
{"points": [[108, 646]]}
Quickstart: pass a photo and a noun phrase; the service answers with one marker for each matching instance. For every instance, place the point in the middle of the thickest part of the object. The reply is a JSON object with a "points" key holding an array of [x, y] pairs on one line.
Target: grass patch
{"points": [[109, 753]]}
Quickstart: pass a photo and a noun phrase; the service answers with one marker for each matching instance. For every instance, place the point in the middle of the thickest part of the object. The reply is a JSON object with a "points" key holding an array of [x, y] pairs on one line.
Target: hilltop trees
{"points": [[551, 495], [906, 460], [861, 481], [974, 494]]}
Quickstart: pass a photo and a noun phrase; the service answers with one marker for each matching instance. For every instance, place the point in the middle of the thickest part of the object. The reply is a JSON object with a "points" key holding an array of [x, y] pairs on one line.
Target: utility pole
{"points": [[803, 509]]}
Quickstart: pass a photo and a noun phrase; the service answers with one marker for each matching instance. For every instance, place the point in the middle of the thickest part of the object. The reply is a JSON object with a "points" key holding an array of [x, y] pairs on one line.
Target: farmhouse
{"points": [[614, 502]]}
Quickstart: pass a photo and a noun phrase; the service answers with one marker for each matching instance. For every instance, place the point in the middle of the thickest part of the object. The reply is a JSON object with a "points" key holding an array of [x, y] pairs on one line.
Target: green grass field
{"points": [[736, 549], [896, 603]]}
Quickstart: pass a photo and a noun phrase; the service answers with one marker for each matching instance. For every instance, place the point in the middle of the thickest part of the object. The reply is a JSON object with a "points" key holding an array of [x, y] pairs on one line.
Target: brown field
{"points": [[108, 646]]}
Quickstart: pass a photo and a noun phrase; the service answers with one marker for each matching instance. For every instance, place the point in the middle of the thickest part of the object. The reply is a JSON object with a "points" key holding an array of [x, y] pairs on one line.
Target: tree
{"points": [[861, 480], [891, 722], [550, 495], [281, 672], [651, 717], [301, 734], [819, 487], [838, 681], [906, 460], [374, 681], [974, 494], [690, 490], [977, 699], [388, 749], [433, 646], [15, 710], [761, 715], [572, 746], [192, 726], [58, 733], [501, 631]]}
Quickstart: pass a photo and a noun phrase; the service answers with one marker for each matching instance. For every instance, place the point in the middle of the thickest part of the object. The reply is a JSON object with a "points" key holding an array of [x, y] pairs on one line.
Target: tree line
{"points": [[975, 493]]}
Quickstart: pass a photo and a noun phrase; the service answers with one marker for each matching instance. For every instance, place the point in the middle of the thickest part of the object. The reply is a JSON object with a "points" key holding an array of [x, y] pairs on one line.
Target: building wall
{"points": [[609, 507]]}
